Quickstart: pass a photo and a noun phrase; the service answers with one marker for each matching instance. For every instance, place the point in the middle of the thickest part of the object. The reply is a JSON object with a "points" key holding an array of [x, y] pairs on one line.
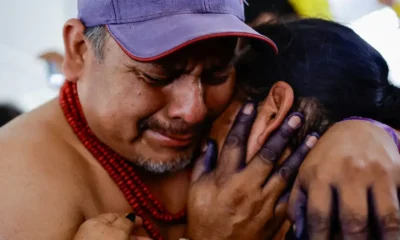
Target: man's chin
{"points": [[164, 165]]}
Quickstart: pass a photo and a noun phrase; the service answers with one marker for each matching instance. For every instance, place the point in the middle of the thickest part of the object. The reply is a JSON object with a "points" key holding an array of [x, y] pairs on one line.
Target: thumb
{"points": [[127, 223], [107, 218], [136, 220], [206, 162]]}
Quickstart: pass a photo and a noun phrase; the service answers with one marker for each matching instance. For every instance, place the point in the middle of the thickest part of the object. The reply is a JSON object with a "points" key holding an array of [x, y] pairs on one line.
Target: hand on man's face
{"points": [[235, 201], [361, 162]]}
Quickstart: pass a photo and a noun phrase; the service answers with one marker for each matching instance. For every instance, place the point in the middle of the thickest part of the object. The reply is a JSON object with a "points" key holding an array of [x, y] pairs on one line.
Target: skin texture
{"points": [[109, 226], [359, 185], [125, 107], [52, 182], [243, 206], [49, 174], [271, 113], [61, 191]]}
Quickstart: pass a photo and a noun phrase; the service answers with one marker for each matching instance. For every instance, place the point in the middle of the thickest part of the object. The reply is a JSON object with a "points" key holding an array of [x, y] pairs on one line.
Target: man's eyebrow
{"points": [[137, 67], [131, 67], [154, 69]]}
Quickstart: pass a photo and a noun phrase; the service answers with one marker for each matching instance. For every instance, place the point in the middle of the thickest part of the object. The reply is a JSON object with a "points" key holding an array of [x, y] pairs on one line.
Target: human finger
{"points": [[233, 152], [265, 160], [319, 211], [206, 162], [386, 206], [297, 210], [127, 223], [353, 211], [285, 174], [106, 218]]}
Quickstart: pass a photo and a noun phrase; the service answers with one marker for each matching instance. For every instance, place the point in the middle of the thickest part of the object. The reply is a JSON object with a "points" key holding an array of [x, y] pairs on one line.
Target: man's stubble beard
{"points": [[159, 167], [183, 159]]}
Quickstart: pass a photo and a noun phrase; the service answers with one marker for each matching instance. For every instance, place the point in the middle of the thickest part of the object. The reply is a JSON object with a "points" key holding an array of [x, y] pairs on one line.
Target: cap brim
{"points": [[154, 39]]}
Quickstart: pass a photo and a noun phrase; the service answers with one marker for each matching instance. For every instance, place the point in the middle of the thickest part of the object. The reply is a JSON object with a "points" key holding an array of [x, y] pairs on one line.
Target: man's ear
{"points": [[271, 113], [75, 49]]}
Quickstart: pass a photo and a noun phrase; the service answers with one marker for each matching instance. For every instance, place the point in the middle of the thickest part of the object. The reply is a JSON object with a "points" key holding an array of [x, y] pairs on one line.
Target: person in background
{"points": [[7, 113]]}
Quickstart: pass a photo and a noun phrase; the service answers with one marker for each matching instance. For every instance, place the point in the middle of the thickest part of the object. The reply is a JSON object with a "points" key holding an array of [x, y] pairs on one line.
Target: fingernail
{"points": [[312, 139], [248, 109], [295, 120], [132, 217]]}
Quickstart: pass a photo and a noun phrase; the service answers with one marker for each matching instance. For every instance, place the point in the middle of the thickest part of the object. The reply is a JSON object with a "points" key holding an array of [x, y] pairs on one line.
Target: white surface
{"points": [[381, 30], [32, 26], [29, 28], [23, 79]]}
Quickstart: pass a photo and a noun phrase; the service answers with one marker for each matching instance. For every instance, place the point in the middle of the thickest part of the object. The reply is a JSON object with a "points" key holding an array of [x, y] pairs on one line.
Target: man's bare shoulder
{"points": [[37, 144], [42, 175]]}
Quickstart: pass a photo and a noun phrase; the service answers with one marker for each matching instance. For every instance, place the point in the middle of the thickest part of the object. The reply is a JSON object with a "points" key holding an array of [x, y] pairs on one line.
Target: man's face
{"points": [[156, 114]]}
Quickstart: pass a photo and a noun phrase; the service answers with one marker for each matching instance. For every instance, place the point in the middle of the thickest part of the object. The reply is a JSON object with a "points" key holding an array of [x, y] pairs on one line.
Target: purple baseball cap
{"points": [[147, 30]]}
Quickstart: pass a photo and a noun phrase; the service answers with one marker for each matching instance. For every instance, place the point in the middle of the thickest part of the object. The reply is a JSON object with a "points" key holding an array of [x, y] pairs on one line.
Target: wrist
{"points": [[388, 129]]}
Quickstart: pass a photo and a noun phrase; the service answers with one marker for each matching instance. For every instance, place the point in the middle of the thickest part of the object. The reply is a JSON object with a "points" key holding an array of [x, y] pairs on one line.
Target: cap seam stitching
{"points": [[115, 13], [205, 5], [117, 10], [155, 16]]}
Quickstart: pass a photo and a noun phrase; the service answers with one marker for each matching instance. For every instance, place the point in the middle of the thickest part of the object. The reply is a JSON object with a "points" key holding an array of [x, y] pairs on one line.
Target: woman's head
{"points": [[334, 74]]}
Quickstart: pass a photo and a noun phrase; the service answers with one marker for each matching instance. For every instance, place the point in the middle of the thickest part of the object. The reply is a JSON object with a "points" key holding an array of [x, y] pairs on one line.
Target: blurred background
{"points": [[31, 29], [31, 46]]}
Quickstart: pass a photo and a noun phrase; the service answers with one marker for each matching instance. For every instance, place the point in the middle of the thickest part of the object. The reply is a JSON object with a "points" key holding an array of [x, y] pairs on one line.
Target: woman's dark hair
{"points": [[330, 69], [280, 8]]}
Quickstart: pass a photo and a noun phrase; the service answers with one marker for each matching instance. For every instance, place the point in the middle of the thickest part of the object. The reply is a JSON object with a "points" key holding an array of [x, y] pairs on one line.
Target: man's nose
{"points": [[187, 101]]}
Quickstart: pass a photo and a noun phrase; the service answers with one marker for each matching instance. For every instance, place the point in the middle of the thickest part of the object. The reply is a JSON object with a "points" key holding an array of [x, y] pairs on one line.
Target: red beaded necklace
{"points": [[120, 170]]}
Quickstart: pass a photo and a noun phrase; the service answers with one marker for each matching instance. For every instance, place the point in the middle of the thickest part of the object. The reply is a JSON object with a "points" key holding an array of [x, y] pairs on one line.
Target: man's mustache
{"points": [[175, 127]]}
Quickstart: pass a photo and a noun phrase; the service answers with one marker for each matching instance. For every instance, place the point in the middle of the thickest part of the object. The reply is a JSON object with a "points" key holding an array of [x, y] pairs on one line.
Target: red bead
{"points": [[119, 169]]}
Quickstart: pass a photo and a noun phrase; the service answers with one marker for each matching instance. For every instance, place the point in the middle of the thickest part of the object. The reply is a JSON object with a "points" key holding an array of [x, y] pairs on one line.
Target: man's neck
{"points": [[171, 188]]}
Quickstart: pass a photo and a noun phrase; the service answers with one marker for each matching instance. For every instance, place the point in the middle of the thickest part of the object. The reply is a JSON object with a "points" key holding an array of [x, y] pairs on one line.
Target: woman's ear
{"points": [[271, 113], [75, 48]]}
